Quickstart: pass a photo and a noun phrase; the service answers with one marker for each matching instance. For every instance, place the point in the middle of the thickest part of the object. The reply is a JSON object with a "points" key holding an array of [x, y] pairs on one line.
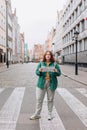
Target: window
{"points": [[80, 45], [72, 17], [73, 48], [69, 36], [76, 13], [70, 21], [69, 8], [83, 25], [71, 5], [80, 7], [67, 24], [74, 29], [78, 28], [85, 2], [71, 33], [85, 43]]}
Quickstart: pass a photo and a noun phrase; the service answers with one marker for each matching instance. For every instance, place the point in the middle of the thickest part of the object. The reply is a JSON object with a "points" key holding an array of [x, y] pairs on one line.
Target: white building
{"points": [[14, 44], [15, 22], [74, 20], [10, 42], [57, 40], [16, 39], [2, 31]]}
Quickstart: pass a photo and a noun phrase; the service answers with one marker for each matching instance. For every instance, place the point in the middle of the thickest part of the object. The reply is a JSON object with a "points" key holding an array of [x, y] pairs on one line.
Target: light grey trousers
{"points": [[40, 94]]}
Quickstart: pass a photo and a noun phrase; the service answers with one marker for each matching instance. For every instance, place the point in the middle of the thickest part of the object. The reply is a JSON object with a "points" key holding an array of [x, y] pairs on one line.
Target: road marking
{"points": [[78, 108], [54, 124], [83, 91], [1, 89], [11, 109]]}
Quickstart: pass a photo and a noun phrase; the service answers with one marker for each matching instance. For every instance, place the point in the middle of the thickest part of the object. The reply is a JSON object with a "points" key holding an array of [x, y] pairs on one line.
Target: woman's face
{"points": [[48, 56]]}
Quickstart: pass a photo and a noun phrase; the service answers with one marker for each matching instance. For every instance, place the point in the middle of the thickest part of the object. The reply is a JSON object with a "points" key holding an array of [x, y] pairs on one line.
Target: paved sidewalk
{"points": [[4, 67], [69, 71]]}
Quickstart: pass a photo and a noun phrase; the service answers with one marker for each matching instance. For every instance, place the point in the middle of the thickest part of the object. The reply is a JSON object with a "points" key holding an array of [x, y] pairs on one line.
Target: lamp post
{"points": [[76, 33], [53, 47], [7, 62]]}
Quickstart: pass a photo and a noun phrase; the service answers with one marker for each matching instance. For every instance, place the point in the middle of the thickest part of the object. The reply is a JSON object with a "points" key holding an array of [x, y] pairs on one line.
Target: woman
{"points": [[47, 70]]}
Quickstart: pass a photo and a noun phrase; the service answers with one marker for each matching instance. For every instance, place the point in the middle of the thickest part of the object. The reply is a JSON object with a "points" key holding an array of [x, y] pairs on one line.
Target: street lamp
{"points": [[53, 47], [76, 33], [7, 62]]}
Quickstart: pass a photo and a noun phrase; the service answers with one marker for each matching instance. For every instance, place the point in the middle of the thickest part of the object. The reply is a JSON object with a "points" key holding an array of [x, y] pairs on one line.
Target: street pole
{"points": [[53, 47], [7, 62], [76, 63], [76, 33]]}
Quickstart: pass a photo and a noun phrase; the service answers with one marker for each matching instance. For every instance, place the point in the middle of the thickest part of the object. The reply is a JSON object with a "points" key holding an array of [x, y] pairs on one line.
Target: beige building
{"points": [[30, 55], [49, 40], [2, 31], [38, 52]]}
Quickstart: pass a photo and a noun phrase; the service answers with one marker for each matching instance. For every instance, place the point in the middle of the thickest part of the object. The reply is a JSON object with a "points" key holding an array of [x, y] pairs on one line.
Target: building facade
{"points": [[49, 41], [14, 38], [26, 56], [73, 19], [2, 31], [10, 29], [18, 43], [38, 52], [30, 53], [22, 41], [57, 40], [15, 22]]}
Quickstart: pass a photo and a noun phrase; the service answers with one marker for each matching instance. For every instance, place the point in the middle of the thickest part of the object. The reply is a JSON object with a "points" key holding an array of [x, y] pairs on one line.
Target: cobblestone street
{"points": [[52, 95], [18, 99], [20, 75]]}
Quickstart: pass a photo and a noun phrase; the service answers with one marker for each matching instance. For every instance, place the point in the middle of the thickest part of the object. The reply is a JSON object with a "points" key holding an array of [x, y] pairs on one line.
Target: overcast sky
{"points": [[37, 17]]}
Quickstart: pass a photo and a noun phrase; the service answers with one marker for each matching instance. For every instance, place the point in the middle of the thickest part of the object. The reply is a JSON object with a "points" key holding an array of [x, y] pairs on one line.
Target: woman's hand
{"points": [[40, 69], [55, 70]]}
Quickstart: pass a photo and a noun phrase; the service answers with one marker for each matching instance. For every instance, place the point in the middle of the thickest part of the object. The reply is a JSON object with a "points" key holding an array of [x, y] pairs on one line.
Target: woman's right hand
{"points": [[40, 69]]}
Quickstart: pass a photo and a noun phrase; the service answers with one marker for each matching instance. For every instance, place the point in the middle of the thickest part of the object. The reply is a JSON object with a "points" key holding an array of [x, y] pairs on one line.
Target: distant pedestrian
{"points": [[47, 70]]}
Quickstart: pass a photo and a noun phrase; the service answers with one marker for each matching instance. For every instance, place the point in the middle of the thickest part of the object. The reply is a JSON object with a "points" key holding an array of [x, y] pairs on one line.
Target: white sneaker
{"points": [[50, 117], [34, 117]]}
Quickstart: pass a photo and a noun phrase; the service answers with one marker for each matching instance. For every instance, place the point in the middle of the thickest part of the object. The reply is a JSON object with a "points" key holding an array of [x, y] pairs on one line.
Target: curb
{"points": [[74, 79]]}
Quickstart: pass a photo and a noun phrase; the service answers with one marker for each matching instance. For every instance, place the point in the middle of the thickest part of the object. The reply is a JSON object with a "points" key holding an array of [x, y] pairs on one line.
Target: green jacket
{"points": [[53, 76]]}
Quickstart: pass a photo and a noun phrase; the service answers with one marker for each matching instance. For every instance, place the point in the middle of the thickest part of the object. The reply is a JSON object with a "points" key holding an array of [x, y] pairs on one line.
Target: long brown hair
{"points": [[51, 59]]}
